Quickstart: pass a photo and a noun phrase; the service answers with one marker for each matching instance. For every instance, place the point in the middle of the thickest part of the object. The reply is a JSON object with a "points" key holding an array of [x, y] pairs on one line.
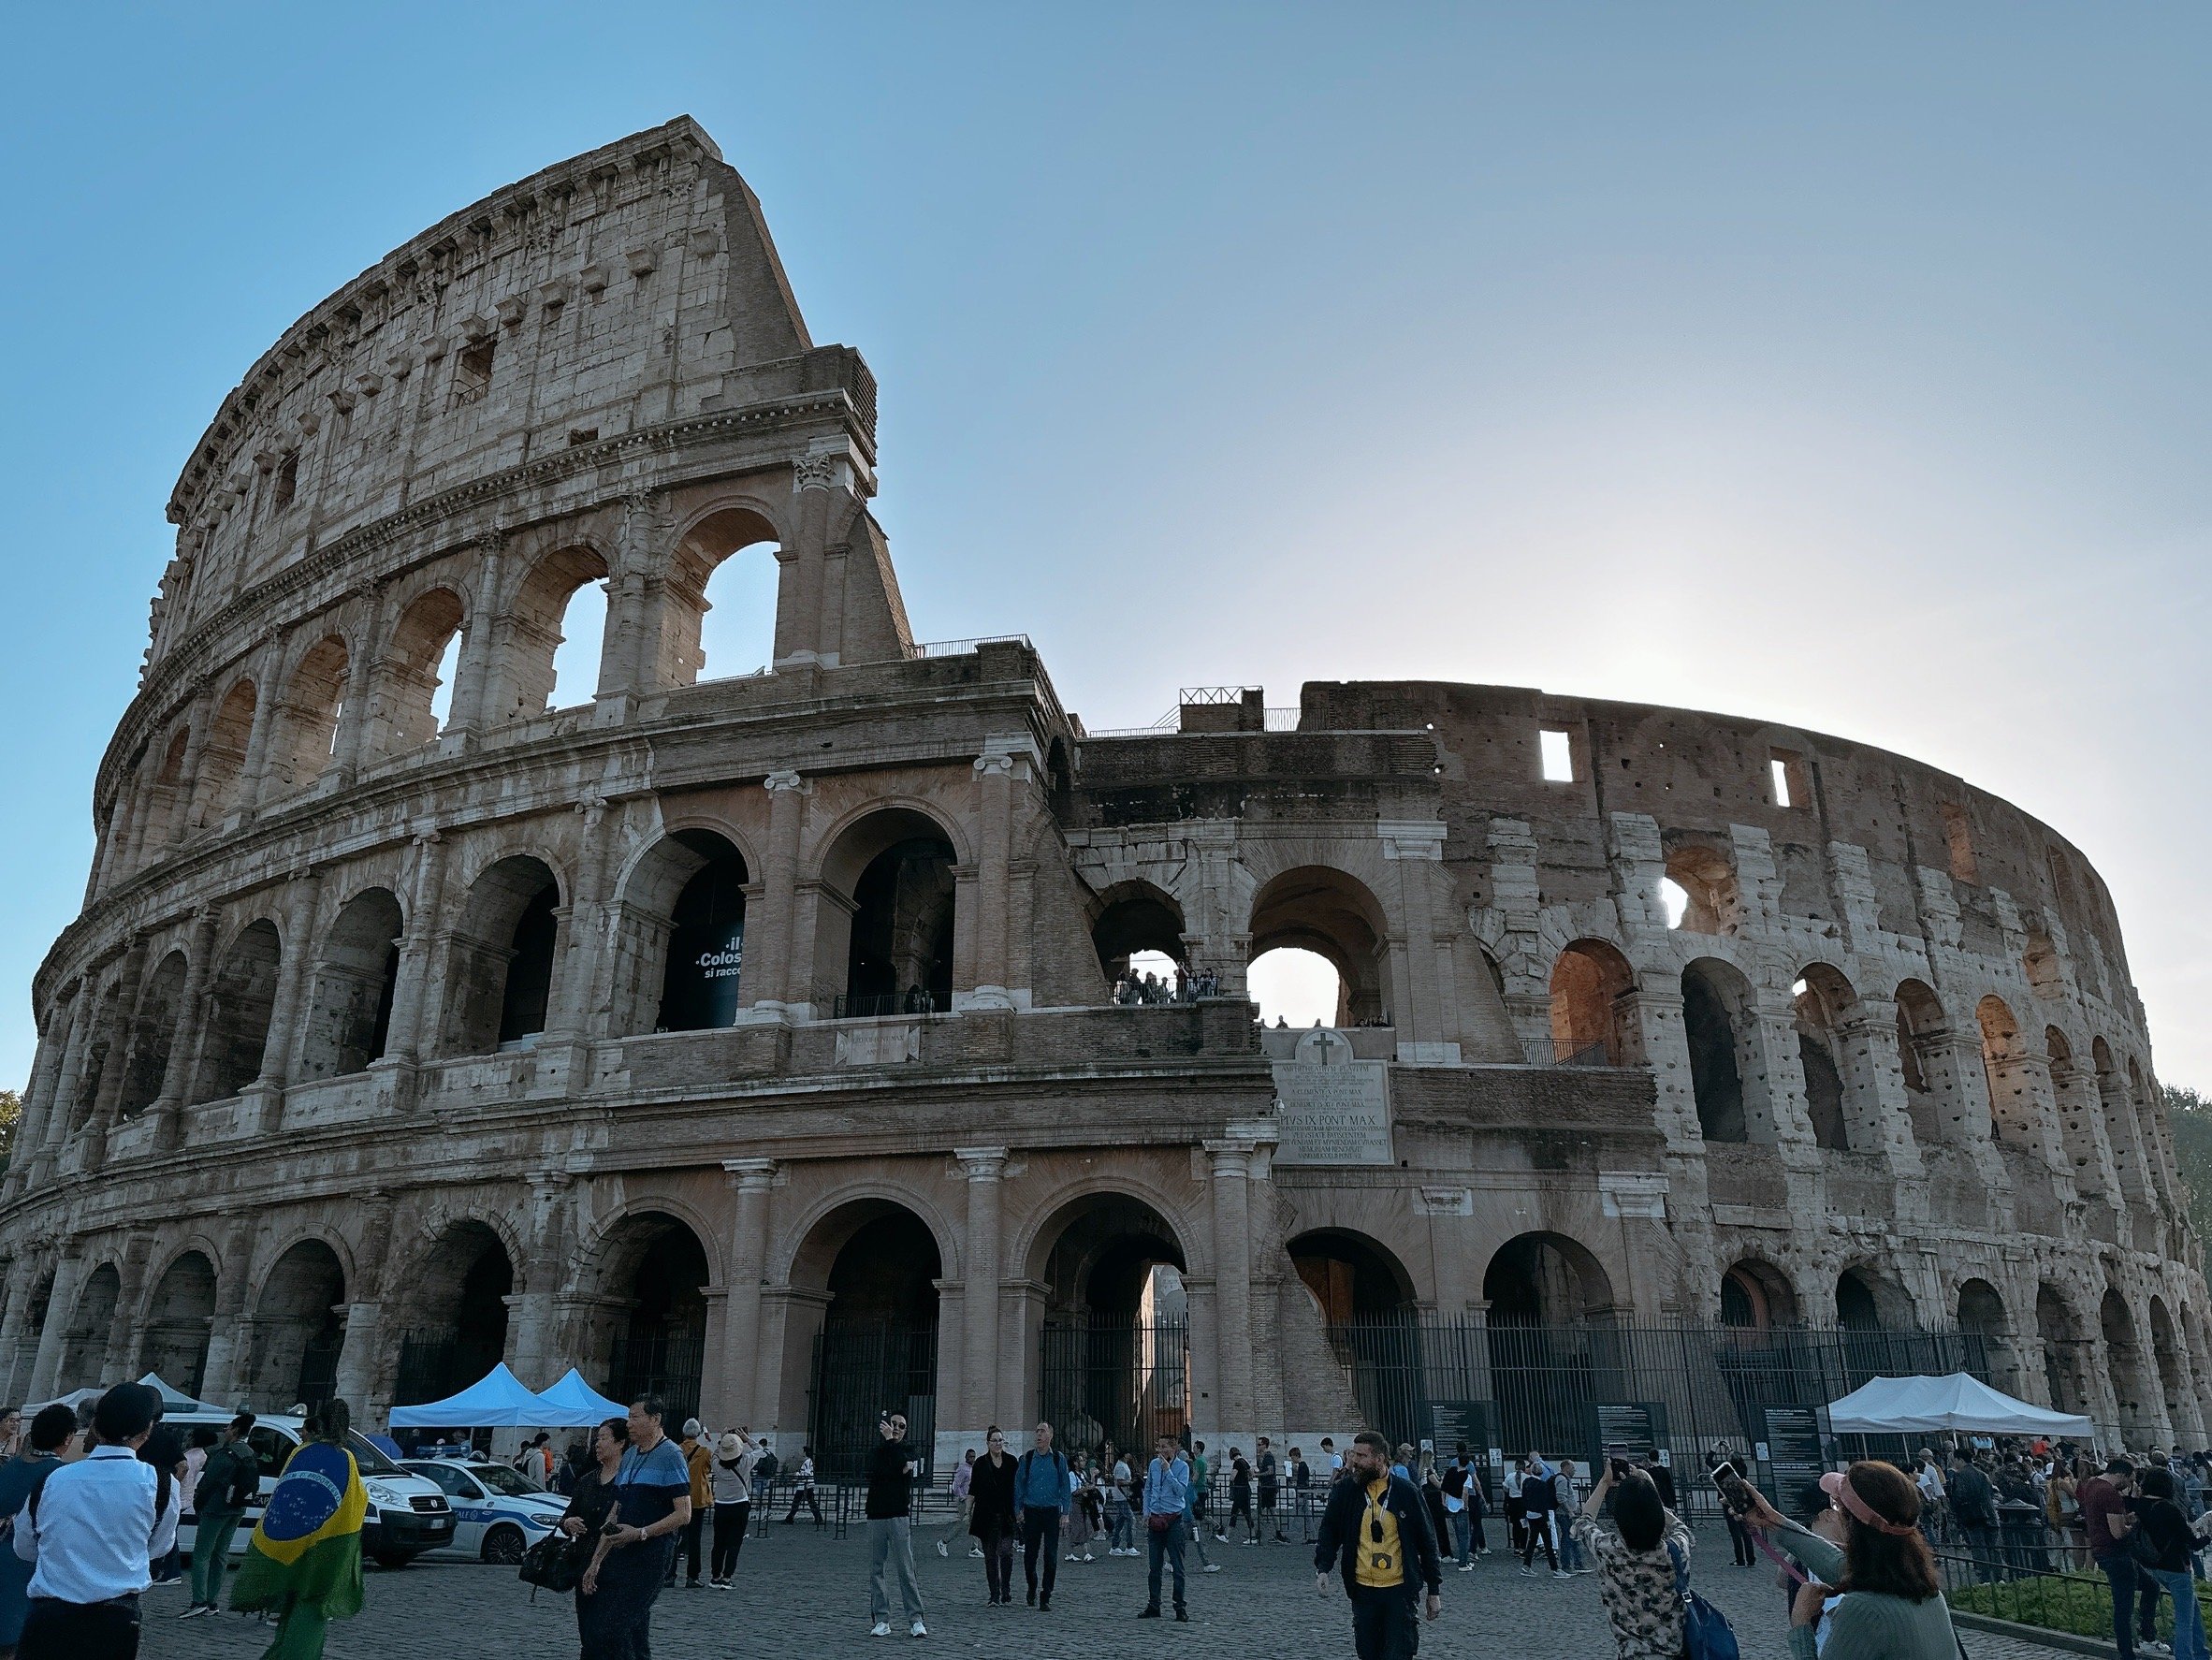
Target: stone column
{"points": [[355, 1382], [115, 1057], [779, 980], [799, 620], [531, 1347], [576, 991], [22, 1272], [253, 768], [1231, 1161], [984, 984], [477, 670], [176, 1078], [415, 1007], [986, 1169], [61, 1303], [747, 1376], [69, 1081], [46, 1069], [123, 1330], [348, 752], [1424, 979], [285, 1007], [223, 1378]]}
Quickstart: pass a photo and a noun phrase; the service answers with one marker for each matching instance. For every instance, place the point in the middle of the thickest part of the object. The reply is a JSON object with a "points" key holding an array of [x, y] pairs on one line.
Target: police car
{"points": [[497, 1514], [407, 1515]]}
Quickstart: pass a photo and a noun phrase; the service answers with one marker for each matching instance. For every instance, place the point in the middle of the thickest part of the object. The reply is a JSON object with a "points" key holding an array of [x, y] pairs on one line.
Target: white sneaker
{"points": [[1212, 1567], [882, 1628], [919, 1630], [975, 1551], [942, 1550], [1088, 1557]]}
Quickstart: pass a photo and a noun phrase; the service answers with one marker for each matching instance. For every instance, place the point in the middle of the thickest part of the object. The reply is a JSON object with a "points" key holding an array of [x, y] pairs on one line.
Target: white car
{"points": [[407, 1515], [496, 1513]]}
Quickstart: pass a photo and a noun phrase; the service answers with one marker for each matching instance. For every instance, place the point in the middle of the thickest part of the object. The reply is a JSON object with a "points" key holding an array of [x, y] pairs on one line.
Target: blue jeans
{"points": [[2119, 1571], [1164, 1543], [1463, 1536], [2188, 1625]]}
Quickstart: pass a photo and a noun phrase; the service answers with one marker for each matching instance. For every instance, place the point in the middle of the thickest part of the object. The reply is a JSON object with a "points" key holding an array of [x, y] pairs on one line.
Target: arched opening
{"points": [[239, 1003], [554, 635], [1924, 1056], [872, 1267], [1755, 1297], [1138, 931], [1982, 1318], [2063, 1360], [1876, 1316], [1698, 894], [1295, 987], [886, 917], [349, 1012], [2122, 1132], [178, 1321], [700, 986], [459, 1297], [153, 1034], [299, 1328], [2011, 1105], [501, 979], [657, 1273], [223, 758], [1841, 1098], [167, 819], [1718, 1025], [306, 734], [722, 621], [2123, 1366], [1347, 1331], [2150, 1129], [1116, 1342], [415, 674], [1552, 1348], [2166, 1356], [84, 1340], [2075, 1095], [1332, 915], [1593, 1020]]}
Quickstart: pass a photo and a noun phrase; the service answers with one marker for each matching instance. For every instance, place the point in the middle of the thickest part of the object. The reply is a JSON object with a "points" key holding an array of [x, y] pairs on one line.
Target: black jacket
{"points": [[991, 1497], [1417, 1539]]}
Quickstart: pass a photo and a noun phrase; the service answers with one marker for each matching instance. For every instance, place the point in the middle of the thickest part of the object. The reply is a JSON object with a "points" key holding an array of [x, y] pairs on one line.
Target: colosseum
{"points": [[768, 1038]]}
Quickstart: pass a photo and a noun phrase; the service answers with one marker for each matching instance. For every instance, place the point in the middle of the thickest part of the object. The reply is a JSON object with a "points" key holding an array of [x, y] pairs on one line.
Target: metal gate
{"points": [[861, 1369], [1106, 1378], [652, 1359]]}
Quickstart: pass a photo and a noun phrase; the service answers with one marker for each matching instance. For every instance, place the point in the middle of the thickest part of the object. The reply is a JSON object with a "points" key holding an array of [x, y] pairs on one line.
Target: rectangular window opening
{"points": [[1793, 782], [471, 372], [1559, 757]]}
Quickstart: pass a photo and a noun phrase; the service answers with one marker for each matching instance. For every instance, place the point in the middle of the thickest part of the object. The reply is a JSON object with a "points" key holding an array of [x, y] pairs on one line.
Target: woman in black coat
{"points": [[593, 1495], [991, 1514]]}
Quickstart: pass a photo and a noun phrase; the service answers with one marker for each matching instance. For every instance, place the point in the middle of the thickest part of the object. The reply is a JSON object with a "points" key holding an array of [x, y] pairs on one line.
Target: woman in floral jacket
{"points": [[1635, 1569]]}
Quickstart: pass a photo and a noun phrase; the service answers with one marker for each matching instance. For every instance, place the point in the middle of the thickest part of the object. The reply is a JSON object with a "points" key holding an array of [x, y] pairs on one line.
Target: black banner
{"points": [[1454, 1424], [1793, 1455], [703, 962], [1634, 1428]]}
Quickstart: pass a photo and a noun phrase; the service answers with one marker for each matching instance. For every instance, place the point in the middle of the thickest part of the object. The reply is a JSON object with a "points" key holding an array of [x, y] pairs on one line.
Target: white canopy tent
{"points": [[495, 1400], [76, 1400], [1903, 1406], [175, 1400]]}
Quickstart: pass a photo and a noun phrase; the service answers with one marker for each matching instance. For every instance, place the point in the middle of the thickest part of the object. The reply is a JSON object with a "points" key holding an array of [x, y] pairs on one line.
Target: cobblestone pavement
{"points": [[803, 1595]]}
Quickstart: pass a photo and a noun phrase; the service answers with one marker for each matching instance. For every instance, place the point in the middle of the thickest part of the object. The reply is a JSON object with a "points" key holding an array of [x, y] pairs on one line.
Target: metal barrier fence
{"points": [[2029, 1575]]}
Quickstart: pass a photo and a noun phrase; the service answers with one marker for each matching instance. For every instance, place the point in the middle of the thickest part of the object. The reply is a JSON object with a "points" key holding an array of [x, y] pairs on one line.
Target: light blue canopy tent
{"points": [[575, 1402], [495, 1400]]}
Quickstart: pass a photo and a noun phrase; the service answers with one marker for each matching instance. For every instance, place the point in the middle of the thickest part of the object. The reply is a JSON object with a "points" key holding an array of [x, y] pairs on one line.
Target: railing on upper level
{"points": [[878, 1005], [961, 647]]}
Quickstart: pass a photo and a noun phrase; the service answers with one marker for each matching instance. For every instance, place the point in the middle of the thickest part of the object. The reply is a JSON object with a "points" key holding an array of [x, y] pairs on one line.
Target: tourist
{"points": [[89, 1529], [991, 1516], [592, 1500], [1302, 1485], [699, 1466], [1376, 1532], [2170, 1542], [1202, 1482], [1458, 1487], [1564, 1504], [802, 1488], [963, 1478], [1167, 1521], [1973, 1512], [1535, 1517], [1515, 1510], [164, 1450], [51, 1438], [11, 1433], [1889, 1604], [1082, 1508], [1638, 1561], [204, 1436], [1194, 1497], [891, 1470], [309, 1572], [631, 1562], [1041, 1495], [1431, 1485], [535, 1462], [228, 1483], [764, 1466], [1271, 1491], [1739, 1539], [1240, 1497], [730, 1483], [1331, 1460], [1121, 1528]]}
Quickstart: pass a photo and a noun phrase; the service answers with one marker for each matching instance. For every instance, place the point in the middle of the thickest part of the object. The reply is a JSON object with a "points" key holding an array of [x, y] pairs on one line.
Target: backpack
{"points": [[767, 1467], [1706, 1632]]}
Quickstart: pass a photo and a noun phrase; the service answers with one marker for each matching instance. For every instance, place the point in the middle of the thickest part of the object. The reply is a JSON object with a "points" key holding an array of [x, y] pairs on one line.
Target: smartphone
{"points": [[1620, 1469], [1722, 1474]]}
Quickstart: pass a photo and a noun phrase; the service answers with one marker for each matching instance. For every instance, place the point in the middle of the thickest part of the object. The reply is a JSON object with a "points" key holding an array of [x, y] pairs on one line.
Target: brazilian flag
{"points": [[304, 1560]]}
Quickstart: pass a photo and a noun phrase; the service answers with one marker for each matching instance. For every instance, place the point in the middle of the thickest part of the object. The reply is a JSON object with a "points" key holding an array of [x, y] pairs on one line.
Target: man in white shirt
{"points": [[90, 1533]]}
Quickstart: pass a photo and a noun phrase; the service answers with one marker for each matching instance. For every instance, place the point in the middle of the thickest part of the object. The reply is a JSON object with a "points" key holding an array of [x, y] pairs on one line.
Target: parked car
{"points": [[407, 1514], [496, 1513]]}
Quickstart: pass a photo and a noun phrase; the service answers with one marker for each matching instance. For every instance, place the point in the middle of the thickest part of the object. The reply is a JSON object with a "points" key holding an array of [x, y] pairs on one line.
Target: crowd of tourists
{"points": [[1184, 985]]}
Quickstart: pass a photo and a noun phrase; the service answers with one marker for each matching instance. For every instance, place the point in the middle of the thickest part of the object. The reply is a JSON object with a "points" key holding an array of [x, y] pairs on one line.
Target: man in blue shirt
{"points": [[1042, 1495], [1167, 1497]]}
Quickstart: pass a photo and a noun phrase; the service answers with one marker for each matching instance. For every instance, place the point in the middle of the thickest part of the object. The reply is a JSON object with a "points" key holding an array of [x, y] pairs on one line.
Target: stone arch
{"points": [[885, 913], [407, 671], [1727, 1075], [2139, 1417], [1113, 1330], [1551, 1304], [242, 997], [705, 544], [2074, 1092], [178, 1319], [499, 980], [1981, 1313], [304, 744], [535, 627], [460, 1285], [349, 1009], [2012, 1113], [1136, 916], [1869, 1298], [2123, 1130], [2150, 1127], [85, 1339], [2065, 1353], [168, 816], [2165, 1355], [680, 935], [1549, 1279], [1841, 1097], [299, 1326], [1351, 1275], [1593, 1006], [1758, 1296], [654, 1273], [861, 1329], [1925, 1056], [216, 790], [154, 1030], [1704, 877], [1334, 915]]}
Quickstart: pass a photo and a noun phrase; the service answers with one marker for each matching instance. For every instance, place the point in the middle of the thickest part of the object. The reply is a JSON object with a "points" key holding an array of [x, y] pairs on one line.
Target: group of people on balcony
{"points": [[1131, 989]]}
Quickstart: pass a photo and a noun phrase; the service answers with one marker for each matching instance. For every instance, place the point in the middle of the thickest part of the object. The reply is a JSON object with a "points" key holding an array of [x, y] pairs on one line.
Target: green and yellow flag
{"points": [[306, 1551]]}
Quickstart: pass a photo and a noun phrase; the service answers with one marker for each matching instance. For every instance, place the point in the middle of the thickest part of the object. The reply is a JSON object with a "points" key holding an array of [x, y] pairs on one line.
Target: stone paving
{"points": [[805, 1594]]}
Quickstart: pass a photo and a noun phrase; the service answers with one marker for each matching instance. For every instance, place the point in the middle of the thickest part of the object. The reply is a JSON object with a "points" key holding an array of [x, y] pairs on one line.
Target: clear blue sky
{"points": [[1846, 365]]}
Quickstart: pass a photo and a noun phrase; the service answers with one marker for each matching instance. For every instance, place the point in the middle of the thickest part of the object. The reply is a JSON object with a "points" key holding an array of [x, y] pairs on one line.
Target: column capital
{"points": [[1231, 1157], [750, 1174], [776, 783], [981, 1164]]}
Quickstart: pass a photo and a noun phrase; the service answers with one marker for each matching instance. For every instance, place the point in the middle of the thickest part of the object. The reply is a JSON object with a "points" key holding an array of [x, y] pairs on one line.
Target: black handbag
{"points": [[554, 1564]]}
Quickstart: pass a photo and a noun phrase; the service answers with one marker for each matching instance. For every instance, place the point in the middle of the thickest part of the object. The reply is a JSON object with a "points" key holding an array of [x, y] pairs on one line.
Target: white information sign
{"points": [[1335, 1110]]}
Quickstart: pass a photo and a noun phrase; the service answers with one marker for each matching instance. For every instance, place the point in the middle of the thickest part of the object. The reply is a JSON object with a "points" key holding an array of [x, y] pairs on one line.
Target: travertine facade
{"points": [[354, 1062]]}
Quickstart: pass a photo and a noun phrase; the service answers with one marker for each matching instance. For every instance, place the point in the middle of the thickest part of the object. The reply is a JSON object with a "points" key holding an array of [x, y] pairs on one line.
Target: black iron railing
{"points": [[1104, 1378], [877, 1006]]}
